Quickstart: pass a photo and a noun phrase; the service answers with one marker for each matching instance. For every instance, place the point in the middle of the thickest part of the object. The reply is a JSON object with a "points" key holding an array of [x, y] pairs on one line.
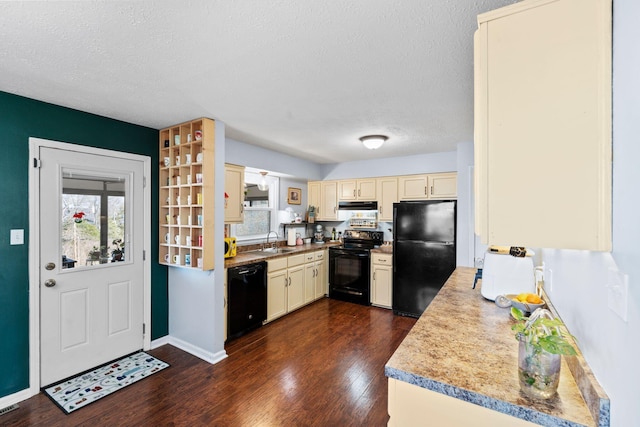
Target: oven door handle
{"points": [[351, 254]]}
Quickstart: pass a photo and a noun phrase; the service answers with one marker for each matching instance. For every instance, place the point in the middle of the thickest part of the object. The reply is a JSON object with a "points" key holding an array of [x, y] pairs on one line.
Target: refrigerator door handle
{"points": [[449, 243]]}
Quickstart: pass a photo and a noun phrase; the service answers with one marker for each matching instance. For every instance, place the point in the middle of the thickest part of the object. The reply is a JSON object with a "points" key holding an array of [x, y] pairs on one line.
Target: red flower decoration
{"points": [[77, 217], [226, 196]]}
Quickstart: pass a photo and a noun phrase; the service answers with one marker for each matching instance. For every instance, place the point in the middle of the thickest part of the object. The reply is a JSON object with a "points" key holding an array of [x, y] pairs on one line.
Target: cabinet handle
{"points": [[425, 190], [241, 208], [354, 192], [286, 283], [432, 190], [374, 275], [358, 193]]}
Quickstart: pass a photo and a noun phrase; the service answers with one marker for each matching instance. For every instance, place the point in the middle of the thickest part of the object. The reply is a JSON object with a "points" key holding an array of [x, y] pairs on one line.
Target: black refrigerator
{"points": [[424, 252]]}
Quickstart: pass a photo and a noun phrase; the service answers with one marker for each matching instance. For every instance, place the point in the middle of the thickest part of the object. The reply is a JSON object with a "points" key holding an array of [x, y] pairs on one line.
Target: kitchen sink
{"points": [[275, 250]]}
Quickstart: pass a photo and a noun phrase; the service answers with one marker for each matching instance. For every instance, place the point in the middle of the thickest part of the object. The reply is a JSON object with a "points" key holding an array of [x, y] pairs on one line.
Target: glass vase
{"points": [[538, 371]]}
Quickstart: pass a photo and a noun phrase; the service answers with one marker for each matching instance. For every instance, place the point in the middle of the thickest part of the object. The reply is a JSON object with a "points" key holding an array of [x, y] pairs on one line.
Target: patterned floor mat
{"points": [[86, 388]]}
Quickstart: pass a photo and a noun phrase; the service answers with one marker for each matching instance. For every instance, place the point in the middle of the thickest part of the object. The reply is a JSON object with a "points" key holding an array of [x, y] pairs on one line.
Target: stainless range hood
{"points": [[358, 206]]}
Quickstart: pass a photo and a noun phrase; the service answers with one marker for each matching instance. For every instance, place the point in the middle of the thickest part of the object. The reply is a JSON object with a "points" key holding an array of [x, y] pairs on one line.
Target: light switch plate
{"points": [[618, 292], [17, 237]]}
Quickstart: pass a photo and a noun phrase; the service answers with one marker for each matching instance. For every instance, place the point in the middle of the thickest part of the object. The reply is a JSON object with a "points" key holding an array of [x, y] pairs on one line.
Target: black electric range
{"points": [[349, 266]]}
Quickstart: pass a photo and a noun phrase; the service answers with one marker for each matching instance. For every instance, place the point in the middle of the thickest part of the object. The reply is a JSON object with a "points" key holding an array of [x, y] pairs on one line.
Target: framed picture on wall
{"points": [[294, 196]]}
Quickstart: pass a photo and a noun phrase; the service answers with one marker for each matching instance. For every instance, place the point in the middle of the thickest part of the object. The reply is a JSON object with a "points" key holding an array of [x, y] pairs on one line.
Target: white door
{"points": [[91, 260]]}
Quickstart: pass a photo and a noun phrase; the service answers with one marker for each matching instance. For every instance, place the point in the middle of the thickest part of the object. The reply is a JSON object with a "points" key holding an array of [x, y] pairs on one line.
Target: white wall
{"points": [[465, 223], [196, 298], [423, 163], [240, 153], [610, 345]]}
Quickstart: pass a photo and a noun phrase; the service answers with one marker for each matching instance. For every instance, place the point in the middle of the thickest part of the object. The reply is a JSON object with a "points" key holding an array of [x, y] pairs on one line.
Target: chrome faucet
{"points": [[274, 244]]}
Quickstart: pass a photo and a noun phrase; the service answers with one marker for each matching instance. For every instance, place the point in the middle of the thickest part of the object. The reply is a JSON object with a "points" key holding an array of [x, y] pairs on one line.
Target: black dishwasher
{"points": [[247, 298]]}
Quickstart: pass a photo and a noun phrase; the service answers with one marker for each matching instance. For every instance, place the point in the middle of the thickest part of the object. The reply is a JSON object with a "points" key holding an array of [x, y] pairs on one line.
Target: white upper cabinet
{"points": [[543, 124]]}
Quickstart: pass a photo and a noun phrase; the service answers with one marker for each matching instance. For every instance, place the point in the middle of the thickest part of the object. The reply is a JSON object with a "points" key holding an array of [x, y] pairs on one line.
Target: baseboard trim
{"points": [[207, 356], [17, 397]]}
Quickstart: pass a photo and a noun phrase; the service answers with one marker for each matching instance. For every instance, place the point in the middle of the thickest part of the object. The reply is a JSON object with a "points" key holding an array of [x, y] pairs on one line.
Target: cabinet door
{"points": [[295, 290], [443, 186], [543, 125], [321, 279], [277, 282], [381, 278], [329, 200], [387, 189], [347, 190], [413, 187], [309, 282], [234, 197], [313, 197], [366, 189]]}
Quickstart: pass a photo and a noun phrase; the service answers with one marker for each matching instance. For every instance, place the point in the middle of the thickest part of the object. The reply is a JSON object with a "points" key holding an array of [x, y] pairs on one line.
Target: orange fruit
{"points": [[534, 299]]}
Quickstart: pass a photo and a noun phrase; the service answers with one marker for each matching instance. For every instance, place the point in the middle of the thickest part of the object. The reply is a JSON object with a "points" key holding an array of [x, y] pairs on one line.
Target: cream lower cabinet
{"points": [[412, 406], [381, 279], [322, 275], [543, 125], [314, 277], [285, 285]]}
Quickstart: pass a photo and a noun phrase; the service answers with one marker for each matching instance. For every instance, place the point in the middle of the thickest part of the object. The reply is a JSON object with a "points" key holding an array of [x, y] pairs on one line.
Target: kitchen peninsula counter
{"points": [[461, 359]]}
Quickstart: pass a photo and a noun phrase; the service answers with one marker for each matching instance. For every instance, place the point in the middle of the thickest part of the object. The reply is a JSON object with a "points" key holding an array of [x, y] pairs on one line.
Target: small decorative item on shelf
{"points": [[226, 199], [198, 135], [542, 341]]}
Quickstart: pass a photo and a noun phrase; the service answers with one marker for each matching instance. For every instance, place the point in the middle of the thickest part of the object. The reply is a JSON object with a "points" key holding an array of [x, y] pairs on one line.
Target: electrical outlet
{"points": [[479, 262], [618, 292], [16, 237]]}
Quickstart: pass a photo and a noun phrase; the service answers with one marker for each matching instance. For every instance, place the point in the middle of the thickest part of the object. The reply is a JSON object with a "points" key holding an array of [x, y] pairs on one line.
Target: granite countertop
{"points": [[463, 346], [249, 257]]}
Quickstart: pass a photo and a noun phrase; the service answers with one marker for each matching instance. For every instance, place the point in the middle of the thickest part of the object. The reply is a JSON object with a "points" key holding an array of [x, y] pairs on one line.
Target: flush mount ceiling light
{"points": [[263, 186], [373, 142]]}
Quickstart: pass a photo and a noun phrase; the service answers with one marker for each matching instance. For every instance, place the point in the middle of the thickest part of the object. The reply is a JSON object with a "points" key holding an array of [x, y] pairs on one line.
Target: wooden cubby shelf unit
{"points": [[187, 195]]}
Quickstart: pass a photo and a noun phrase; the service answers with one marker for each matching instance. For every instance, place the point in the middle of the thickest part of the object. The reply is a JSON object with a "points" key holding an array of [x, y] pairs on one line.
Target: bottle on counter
{"points": [[333, 234]]}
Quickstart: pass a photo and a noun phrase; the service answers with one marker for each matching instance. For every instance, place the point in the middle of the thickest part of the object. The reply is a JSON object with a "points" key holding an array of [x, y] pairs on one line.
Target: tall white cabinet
{"points": [[543, 124]]}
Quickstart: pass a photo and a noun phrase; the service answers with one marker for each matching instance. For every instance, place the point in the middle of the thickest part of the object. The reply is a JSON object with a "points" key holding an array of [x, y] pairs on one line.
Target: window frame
{"points": [[274, 198]]}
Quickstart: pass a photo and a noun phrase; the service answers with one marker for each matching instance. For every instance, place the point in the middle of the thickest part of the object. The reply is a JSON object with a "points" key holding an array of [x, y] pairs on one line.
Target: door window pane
{"points": [[93, 219]]}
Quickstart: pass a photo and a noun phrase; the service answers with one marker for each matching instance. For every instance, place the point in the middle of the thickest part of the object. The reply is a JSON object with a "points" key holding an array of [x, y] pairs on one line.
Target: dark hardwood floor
{"points": [[322, 365]]}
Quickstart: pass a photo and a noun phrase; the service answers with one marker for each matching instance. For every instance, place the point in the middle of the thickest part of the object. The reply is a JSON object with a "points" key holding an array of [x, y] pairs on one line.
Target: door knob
{"points": [[49, 283]]}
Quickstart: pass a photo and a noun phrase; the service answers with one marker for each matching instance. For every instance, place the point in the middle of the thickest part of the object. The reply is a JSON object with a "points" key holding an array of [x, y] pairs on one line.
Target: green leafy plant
{"points": [[543, 333]]}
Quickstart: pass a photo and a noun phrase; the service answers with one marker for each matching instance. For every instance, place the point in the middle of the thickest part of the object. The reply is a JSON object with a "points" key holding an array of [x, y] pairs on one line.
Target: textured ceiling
{"points": [[302, 77]]}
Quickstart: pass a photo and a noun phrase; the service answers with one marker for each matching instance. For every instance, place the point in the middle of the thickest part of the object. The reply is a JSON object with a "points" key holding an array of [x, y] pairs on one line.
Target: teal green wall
{"points": [[21, 118]]}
